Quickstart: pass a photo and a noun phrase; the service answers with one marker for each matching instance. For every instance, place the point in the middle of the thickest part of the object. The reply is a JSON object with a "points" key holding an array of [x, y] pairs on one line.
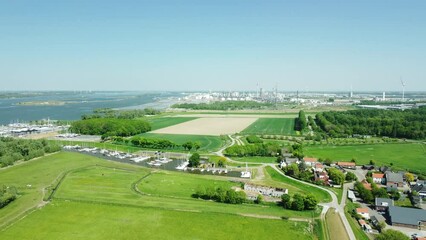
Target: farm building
{"points": [[382, 204], [408, 217], [265, 191], [350, 165]]}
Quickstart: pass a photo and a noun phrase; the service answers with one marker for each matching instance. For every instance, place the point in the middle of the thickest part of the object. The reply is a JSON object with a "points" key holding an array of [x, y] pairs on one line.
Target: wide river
{"points": [[71, 105]]}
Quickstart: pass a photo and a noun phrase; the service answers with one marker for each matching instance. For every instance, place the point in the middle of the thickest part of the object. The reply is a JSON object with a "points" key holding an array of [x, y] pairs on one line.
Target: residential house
{"points": [[384, 169], [394, 178], [391, 187], [350, 165], [382, 204], [318, 167], [288, 160], [408, 217], [421, 189], [310, 162], [363, 212], [322, 177], [365, 226], [379, 178]]}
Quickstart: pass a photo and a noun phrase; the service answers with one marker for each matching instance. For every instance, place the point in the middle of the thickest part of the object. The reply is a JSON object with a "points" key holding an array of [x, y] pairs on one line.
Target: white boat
{"points": [[182, 165], [139, 159], [246, 173]]}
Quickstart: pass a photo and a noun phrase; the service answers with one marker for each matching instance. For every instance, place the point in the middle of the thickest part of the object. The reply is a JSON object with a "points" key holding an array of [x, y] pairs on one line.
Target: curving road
{"points": [[340, 208]]}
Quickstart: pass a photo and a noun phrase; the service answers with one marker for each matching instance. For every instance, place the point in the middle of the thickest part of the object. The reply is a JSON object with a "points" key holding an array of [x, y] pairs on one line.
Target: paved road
{"points": [[340, 208], [333, 204]]}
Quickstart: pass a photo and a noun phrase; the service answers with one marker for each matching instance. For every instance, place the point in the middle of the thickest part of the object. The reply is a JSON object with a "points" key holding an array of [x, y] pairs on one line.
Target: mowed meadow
{"points": [[411, 156], [100, 199], [271, 126]]}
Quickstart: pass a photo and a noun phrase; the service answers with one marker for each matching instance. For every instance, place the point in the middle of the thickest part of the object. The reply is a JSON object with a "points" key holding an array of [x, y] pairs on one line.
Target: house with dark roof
{"points": [[382, 204], [421, 189], [408, 217], [394, 178]]}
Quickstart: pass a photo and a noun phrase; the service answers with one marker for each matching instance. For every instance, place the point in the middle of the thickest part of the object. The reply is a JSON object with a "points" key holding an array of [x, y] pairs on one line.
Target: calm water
{"points": [[78, 103]]}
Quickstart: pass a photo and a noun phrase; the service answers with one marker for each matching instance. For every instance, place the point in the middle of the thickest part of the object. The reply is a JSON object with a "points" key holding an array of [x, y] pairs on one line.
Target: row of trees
{"points": [[225, 105], [108, 127], [253, 139], [300, 122], [299, 202], [390, 123], [156, 143], [264, 149], [220, 194], [7, 195], [120, 114], [12, 150]]}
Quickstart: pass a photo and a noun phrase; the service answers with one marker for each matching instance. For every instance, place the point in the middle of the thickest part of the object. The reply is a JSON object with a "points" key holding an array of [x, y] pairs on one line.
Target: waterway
{"points": [[74, 104]]}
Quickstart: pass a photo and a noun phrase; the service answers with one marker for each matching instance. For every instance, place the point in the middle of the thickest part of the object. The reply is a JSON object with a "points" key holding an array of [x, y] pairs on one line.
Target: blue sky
{"points": [[212, 45]]}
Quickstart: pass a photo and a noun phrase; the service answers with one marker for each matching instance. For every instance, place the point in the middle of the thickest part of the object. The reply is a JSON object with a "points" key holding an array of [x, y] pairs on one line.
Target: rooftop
{"points": [[409, 216], [346, 163], [394, 177], [307, 159], [386, 202], [362, 210], [378, 175]]}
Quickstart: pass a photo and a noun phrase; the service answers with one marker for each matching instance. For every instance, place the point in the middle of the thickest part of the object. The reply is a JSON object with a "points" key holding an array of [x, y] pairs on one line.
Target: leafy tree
{"points": [[328, 161], [194, 160], [292, 170], [221, 162], [310, 202], [188, 145], [409, 177], [350, 176], [253, 139], [391, 235], [298, 202], [286, 201], [336, 175], [196, 146], [372, 162]]}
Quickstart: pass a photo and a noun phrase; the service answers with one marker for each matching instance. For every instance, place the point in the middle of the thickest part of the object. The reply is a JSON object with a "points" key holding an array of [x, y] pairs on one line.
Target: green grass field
{"points": [[208, 143], [78, 220], [296, 187], [99, 199], [181, 185], [162, 122], [274, 126], [411, 156], [255, 159]]}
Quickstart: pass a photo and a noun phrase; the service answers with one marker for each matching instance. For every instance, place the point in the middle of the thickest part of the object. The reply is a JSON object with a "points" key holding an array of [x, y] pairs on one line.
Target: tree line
{"points": [[389, 123], [225, 105], [110, 127], [220, 194], [120, 114], [299, 202], [12, 150], [258, 149], [156, 143]]}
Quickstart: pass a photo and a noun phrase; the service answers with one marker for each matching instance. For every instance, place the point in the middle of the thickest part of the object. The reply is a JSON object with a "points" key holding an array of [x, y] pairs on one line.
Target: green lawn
{"points": [[162, 122], [255, 159], [297, 187], [78, 220], [208, 143], [180, 184], [356, 228], [272, 126], [411, 156], [99, 199], [40, 174]]}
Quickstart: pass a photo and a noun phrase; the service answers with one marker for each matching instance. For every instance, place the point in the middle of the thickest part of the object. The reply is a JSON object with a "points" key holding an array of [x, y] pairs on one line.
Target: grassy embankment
{"points": [[272, 177], [99, 199]]}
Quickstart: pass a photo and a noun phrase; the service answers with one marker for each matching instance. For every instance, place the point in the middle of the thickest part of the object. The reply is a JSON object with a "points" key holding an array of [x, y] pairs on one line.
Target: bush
{"points": [[253, 139]]}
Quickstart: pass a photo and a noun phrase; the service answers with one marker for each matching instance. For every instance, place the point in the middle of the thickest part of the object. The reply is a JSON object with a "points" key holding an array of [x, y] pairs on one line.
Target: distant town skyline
{"points": [[213, 45]]}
